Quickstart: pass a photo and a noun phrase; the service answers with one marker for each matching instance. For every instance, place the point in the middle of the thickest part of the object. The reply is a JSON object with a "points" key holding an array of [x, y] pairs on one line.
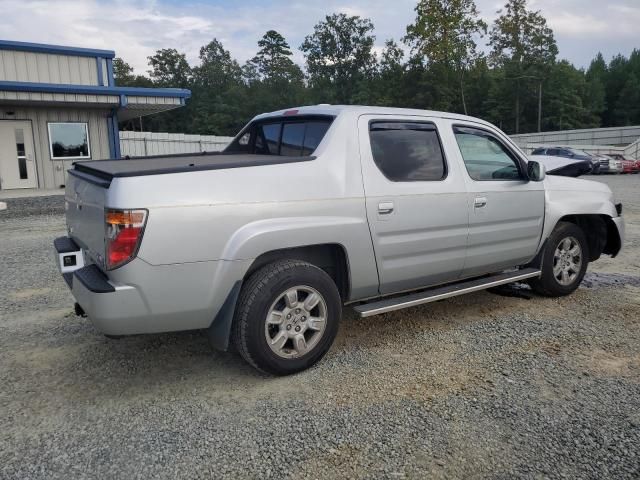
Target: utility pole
{"points": [[540, 107]]}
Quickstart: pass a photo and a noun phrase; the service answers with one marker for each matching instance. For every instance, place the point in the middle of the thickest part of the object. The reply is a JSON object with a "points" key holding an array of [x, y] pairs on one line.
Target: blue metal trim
{"points": [[112, 148], [110, 80], [100, 73], [116, 134], [93, 89], [55, 49]]}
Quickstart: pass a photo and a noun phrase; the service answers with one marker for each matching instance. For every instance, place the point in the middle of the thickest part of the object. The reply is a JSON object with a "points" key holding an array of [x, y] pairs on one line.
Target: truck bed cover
{"points": [[106, 170]]}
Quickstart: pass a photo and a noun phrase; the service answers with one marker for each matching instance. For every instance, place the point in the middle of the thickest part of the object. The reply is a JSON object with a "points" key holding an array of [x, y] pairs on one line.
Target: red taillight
{"points": [[124, 229]]}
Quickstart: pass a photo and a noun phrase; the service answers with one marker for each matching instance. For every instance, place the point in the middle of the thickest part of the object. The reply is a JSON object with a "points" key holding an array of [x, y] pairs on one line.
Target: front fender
{"points": [[569, 196]]}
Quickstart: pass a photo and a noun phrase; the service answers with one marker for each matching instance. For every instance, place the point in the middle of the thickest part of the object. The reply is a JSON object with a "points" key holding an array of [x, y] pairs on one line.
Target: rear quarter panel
{"points": [[237, 214]]}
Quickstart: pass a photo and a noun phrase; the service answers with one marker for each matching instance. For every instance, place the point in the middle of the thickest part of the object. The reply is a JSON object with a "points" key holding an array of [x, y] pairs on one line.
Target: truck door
{"points": [[416, 202], [506, 210]]}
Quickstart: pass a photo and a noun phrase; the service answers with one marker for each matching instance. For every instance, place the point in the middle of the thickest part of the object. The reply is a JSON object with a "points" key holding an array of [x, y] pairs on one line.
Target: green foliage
{"points": [[443, 37], [339, 56], [444, 71], [170, 68]]}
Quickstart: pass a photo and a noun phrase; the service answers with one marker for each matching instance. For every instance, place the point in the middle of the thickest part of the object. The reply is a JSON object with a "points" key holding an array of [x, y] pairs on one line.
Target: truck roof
{"points": [[335, 110]]}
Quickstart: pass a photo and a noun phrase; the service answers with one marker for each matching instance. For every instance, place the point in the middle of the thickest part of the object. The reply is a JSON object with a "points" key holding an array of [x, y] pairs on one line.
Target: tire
{"points": [[267, 298], [552, 282]]}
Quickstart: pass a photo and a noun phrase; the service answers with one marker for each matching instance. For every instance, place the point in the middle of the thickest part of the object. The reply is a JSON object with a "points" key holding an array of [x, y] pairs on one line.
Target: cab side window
{"points": [[290, 137], [485, 157], [407, 151]]}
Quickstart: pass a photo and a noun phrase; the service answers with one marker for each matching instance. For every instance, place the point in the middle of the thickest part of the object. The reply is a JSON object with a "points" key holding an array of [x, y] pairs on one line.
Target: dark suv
{"points": [[568, 152]]}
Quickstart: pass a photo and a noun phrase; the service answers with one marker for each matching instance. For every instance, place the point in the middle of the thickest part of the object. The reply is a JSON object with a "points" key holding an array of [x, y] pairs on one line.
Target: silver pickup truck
{"points": [[318, 207]]}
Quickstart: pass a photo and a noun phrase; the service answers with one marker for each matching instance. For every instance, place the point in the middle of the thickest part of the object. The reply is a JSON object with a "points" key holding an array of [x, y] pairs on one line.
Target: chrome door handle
{"points": [[385, 208], [480, 202]]}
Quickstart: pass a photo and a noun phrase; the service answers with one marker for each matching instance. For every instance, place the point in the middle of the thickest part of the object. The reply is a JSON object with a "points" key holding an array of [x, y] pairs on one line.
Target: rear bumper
{"points": [[142, 298]]}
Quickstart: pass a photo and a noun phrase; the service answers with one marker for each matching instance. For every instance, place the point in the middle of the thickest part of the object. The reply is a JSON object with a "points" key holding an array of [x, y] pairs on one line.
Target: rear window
{"points": [[286, 137]]}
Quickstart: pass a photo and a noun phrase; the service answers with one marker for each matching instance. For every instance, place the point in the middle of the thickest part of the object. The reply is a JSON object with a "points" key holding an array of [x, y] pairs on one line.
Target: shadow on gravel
{"points": [[29, 206], [596, 280]]}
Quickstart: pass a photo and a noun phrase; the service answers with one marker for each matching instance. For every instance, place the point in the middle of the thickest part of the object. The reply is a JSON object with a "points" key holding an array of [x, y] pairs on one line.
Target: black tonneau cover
{"points": [[106, 170]]}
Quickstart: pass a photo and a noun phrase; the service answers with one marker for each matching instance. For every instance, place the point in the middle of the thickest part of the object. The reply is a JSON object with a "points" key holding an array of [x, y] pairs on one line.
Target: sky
{"points": [[135, 29]]}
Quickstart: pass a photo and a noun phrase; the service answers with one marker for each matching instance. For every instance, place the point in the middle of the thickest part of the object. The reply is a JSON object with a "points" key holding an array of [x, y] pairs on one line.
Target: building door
{"points": [[17, 159]]}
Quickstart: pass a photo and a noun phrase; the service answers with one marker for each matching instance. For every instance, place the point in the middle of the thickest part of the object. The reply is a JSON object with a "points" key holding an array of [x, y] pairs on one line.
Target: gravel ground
{"points": [[495, 384]]}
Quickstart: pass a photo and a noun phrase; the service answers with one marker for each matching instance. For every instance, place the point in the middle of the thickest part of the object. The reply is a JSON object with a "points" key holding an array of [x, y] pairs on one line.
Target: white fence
{"points": [[614, 136], [594, 140], [142, 144]]}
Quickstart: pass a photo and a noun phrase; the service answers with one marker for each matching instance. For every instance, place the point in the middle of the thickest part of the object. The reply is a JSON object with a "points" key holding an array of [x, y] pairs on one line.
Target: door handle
{"points": [[385, 208], [480, 202]]}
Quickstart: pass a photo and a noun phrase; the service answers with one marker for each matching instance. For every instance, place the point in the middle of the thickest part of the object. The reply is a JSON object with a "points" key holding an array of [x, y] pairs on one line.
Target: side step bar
{"points": [[440, 293]]}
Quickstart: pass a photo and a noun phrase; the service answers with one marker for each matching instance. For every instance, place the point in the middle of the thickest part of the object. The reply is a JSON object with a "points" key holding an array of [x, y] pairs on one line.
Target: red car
{"points": [[628, 166]]}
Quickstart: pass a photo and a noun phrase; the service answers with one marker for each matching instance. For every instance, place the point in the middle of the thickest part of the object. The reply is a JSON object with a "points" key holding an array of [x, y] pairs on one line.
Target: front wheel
{"points": [[287, 317], [564, 261]]}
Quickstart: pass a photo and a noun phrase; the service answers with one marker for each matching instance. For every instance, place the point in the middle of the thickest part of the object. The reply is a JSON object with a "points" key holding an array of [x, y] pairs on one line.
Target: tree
{"points": [[122, 72], [339, 55], [443, 33], [628, 106], [218, 92], [564, 106], [274, 81], [124, 76], [169, 68], [524, 46], [273, 60]]}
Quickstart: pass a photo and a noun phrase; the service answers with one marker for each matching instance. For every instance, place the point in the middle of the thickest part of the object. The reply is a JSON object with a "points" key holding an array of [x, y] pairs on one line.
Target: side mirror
{"points": [[536, 171]]}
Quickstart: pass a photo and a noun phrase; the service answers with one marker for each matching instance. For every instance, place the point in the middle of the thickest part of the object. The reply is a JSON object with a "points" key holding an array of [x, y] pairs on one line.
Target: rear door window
{"points": [[407, 151]]}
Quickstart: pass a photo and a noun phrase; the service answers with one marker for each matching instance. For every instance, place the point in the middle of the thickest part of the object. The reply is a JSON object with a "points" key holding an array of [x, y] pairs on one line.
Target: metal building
{"points": [[60, 104]]}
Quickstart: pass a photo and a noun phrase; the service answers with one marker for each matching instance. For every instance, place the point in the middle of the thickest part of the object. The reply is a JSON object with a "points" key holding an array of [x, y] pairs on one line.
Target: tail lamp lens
{"points": [[124, 229]]}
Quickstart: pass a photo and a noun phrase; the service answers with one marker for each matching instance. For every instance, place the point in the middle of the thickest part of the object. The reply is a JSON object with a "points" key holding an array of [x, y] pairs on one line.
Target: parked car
{"points": [[568, 152], [609, 164], [628, 166], [565, 167], [318, 207]]}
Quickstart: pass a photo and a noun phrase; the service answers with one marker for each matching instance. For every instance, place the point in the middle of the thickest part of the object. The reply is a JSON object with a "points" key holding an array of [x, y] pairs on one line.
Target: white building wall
{"points": [[19, 66], [51, 173], [142, 144]]}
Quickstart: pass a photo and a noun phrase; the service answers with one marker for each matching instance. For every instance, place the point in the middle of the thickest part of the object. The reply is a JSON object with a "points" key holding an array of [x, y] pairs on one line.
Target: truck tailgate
{"points": [[85, 202]]}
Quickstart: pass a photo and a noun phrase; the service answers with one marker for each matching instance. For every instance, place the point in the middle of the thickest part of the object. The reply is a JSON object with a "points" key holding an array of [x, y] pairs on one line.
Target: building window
{"points": [[69, 141]]}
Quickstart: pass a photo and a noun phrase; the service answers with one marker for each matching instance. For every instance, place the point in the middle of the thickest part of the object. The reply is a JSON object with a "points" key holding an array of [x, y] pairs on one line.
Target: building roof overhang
{"points": [[130, 102]]}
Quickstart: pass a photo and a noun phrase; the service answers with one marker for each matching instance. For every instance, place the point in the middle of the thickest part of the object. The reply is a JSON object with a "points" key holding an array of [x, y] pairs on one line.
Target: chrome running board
{"points": [[440, 293]]}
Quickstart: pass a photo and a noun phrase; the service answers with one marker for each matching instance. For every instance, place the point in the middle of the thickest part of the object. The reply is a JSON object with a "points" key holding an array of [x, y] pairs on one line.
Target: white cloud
{"points": [[137, 30]]}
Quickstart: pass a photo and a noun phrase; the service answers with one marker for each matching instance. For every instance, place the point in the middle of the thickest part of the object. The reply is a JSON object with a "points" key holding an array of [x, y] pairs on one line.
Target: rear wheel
{"points": [[287, 317], [564, 261]]}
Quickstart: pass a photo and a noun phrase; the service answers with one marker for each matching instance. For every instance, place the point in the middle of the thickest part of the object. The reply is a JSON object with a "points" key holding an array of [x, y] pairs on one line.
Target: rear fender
{"points": [[352, 233]]}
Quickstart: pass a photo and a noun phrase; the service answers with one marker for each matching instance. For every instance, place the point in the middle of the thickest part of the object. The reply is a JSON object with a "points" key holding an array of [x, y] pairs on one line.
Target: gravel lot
{"points": [[495, 384]]}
